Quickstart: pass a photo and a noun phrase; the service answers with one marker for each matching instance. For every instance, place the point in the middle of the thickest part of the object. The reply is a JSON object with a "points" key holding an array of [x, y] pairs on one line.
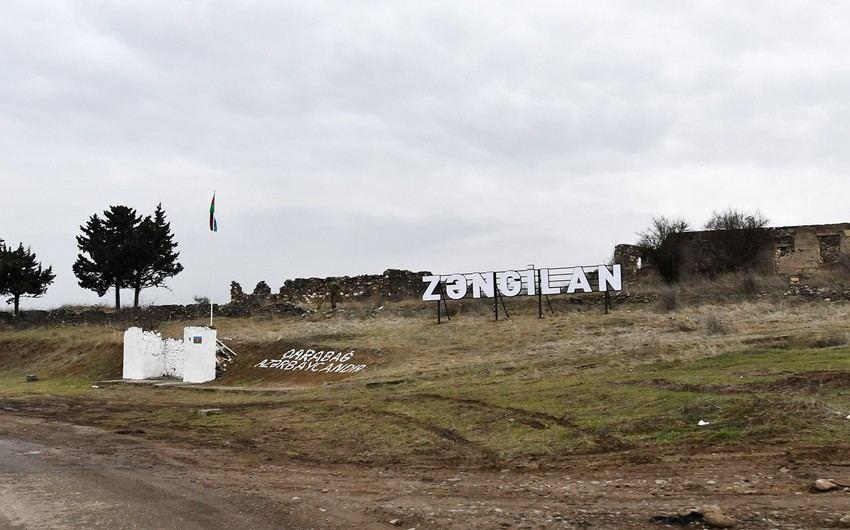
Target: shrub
{"points": [[750, 285], [712, 321], [828, 339], [668, 298], [683, 325], [731, 219]]}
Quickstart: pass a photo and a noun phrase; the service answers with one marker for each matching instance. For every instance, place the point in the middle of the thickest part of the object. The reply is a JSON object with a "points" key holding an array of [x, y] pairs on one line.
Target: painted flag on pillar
{"points": [[213, 222]]}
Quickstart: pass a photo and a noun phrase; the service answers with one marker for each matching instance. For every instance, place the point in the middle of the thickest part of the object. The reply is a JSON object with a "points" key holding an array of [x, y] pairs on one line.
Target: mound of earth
{"points": [[293, 363]]}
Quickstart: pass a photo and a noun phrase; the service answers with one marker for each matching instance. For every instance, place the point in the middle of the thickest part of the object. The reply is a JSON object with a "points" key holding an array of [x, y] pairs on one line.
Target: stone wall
{"points": [[143, 317], [393, 284], [149, 317], [633, 259], [799, 249], [173, 349], [712, 252]]}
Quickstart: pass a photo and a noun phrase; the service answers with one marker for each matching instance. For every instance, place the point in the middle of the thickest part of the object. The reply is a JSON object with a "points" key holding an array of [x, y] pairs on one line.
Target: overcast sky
{"points": [[350, 137]]}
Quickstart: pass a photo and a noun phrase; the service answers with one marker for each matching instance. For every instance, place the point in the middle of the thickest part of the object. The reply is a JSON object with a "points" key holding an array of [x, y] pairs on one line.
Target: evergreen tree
{"points": [[21, 275], [108, 250], [154, 256]]}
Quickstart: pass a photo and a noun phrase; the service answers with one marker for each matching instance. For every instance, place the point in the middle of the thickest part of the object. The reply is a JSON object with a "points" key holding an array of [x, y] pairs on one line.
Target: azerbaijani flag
{"points": [[213, 222]]}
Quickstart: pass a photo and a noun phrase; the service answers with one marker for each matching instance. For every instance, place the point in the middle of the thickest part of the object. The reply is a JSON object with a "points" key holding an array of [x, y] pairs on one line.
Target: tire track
{"points": [[537, 420], [444, 433]]}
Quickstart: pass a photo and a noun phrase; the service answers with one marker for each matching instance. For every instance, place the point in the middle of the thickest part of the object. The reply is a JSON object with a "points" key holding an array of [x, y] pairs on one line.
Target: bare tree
{"points": [[658, 231], [731, 219]]}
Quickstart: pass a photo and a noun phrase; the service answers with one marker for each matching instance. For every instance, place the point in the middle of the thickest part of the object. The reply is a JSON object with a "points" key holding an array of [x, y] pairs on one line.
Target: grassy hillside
{"points": [[477, 392]]}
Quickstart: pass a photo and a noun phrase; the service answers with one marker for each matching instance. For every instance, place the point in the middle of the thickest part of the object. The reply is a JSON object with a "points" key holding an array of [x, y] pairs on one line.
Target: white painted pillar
{"points": [[198, 354]]}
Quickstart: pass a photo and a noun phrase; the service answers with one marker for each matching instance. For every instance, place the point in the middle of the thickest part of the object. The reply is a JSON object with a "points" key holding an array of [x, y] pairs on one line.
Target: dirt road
{"points": [[56, 483], [58, 475]]}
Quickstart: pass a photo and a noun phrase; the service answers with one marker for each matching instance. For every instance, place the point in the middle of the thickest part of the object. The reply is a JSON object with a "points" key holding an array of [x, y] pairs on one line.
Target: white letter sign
{"points": [[512, 283], [430, 295], [456, 286]]}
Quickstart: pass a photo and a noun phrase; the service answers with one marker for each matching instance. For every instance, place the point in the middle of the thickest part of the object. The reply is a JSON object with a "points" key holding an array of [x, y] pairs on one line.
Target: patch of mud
{"points": [[666, 384], [810, 382]]}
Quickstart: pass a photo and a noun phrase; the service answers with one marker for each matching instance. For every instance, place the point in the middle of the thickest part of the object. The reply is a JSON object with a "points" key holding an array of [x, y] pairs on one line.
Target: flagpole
{"points": [[213, 229]]}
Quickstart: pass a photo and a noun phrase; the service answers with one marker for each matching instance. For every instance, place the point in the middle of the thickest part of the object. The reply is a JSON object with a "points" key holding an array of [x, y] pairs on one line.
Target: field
{"points": [[577, 420]]}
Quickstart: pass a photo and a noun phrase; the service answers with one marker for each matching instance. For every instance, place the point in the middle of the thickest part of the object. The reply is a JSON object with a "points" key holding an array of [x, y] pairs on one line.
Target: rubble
{"points": [[823, 484], [715, 518], [262, 289], [709, 514]]}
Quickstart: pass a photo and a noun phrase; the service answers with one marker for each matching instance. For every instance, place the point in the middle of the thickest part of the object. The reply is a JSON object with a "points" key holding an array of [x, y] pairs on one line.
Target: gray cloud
{"points": [[348, 137]]}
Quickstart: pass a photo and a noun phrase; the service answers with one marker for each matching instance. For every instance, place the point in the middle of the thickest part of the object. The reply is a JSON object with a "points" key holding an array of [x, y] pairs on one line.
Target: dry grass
{"points": [[481, 392], [838, 278], [411, 344], [668, 298], [734, 284], [829, 338], [713, 321]]}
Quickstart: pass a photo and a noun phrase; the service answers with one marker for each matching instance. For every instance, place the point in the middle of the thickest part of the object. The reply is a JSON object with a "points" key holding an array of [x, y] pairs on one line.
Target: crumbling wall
{"points": [[393, 284], [799, 249], [789, 251], [237, 295], [713, 252], [632, 259]]}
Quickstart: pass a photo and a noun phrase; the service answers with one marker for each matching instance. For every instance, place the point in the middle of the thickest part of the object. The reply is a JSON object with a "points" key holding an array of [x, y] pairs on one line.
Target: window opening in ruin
{"points": [[830, 248], [639, 263], [784, 245]]}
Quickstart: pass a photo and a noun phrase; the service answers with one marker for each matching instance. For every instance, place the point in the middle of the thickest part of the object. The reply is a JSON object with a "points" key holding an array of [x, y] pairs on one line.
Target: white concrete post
{"points": [[198, 354]]}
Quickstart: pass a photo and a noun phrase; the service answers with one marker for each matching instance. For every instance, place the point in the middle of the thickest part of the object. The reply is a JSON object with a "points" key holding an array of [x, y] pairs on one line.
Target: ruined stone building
{"points": [[788, 251]]}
